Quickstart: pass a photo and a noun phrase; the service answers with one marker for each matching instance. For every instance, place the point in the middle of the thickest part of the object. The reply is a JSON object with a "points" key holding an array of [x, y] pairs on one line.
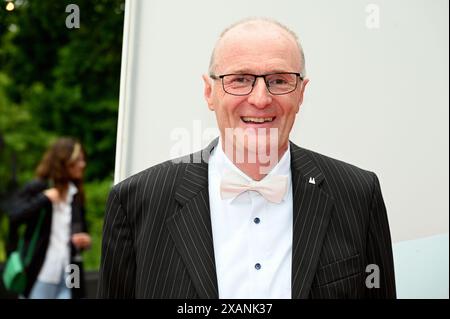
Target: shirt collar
{"points": [[224, 164]]}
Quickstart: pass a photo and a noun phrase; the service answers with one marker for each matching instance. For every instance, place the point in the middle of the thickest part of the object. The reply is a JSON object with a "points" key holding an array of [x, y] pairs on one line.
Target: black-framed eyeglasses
{"points": [[242, 84]]}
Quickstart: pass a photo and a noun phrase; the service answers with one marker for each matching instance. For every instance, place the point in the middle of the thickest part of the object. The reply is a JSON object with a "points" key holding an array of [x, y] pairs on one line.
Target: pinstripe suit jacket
{"points": [[157, 238]]}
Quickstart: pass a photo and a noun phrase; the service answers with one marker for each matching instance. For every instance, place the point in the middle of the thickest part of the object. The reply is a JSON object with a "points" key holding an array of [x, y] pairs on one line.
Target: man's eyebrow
{"points": [[248, 71], [241, 71]]}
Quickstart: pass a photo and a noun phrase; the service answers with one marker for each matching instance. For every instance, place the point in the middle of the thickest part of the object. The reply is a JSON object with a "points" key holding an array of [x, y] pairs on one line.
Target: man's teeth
{"points": [[257, 119]]}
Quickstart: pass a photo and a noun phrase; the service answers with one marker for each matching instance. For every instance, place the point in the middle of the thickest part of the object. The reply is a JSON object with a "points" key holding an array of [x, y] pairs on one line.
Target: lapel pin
{"points": [[312, 180]]}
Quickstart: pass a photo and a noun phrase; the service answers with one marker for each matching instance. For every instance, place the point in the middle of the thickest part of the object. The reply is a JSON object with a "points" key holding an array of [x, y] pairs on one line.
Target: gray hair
{"points": [[252, 20]]}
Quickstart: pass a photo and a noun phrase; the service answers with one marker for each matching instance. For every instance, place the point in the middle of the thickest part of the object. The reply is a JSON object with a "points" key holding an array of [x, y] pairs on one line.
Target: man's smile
{"points": [[257, 120]]}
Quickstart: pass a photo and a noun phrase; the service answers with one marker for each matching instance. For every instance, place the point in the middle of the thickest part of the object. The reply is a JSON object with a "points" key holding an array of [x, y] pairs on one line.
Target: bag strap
{"points": [[20, 245], [34, 239]]}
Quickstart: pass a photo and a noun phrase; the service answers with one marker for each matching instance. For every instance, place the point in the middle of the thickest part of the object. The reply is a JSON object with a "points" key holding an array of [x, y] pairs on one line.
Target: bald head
{"points": [[257, 28]]}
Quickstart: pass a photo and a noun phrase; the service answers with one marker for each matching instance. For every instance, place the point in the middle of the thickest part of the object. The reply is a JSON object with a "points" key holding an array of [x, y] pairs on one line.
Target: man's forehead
{"points": [[246, 43], [240, 34]]}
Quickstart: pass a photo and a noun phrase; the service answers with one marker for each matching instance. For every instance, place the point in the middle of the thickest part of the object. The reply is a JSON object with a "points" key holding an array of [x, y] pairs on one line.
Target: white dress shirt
{"points": [[58, 252], [252, 236]]}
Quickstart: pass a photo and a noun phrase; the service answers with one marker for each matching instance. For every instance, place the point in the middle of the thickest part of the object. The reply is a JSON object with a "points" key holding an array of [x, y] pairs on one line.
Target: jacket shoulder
{"points": [[33, 187], [322, 159], [162, 177]]}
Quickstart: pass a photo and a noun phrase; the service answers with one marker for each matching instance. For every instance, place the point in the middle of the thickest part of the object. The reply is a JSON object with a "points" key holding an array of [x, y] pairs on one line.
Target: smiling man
{"points": [[258, 216]]}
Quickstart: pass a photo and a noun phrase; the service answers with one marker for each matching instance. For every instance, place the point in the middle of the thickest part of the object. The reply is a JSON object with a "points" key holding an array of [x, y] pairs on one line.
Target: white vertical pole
{"points": [[123, 125]]}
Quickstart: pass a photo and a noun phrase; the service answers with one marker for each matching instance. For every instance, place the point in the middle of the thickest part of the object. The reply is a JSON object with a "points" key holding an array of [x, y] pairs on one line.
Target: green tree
{"points": [[68, 77], [56, 81]]}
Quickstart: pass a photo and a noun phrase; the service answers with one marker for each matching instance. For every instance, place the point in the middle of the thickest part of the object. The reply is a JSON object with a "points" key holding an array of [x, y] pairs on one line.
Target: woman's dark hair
{"points": [[54, 164]]}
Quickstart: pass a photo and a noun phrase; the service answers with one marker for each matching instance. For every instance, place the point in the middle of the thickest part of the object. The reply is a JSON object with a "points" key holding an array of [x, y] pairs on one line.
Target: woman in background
{"points": [[57, 193]]}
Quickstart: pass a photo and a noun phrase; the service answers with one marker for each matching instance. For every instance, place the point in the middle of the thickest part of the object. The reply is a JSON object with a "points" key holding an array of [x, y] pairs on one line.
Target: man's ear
{"points": [[302, 92], [208, 91]]}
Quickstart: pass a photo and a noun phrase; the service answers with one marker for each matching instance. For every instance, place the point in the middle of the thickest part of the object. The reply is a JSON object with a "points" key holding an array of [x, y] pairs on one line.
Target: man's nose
{"points": [[260, 97]]}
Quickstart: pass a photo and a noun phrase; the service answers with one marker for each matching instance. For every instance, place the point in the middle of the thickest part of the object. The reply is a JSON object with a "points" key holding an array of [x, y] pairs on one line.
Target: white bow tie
{"points": [[272, 187]]}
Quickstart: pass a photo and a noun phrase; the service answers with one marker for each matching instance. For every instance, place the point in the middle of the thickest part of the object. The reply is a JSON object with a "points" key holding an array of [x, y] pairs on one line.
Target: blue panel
{"points": [[421, 268]]}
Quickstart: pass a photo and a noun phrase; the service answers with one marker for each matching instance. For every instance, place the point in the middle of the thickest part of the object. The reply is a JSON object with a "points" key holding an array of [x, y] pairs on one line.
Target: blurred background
{"points": [[56, 81]]}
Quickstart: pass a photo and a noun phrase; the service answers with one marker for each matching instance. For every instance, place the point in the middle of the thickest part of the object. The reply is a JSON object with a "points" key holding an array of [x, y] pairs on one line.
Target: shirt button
{"points": [[256, 220], [258, 266]]}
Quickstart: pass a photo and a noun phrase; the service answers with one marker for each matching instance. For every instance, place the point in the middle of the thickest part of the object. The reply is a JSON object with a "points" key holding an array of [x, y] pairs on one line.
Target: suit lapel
{"points": [[190, 226], [311, 214]]}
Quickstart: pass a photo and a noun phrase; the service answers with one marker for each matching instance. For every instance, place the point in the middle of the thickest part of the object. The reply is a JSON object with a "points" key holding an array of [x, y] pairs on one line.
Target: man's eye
{"points": [[278, 81], [241, 79]]}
